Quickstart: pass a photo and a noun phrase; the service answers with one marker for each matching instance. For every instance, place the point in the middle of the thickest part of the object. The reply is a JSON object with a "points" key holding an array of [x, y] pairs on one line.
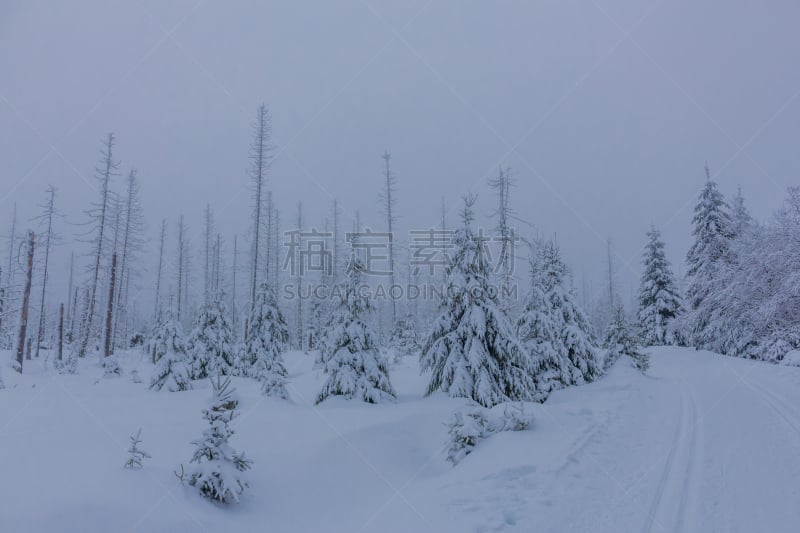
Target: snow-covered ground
{"points": [[702, 443]]}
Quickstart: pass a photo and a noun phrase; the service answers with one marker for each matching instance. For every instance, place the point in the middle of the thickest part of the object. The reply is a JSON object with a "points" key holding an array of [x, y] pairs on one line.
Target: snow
{"points": [[792, 358], [701, 443]]}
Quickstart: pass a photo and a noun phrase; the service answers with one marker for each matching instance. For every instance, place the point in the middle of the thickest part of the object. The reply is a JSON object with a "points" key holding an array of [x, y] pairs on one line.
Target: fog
{"points": [[605, 111]]}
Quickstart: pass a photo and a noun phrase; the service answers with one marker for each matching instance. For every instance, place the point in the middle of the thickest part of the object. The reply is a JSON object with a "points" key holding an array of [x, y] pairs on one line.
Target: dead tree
{"points": [[216, 277], [98, 215], [73, 314], [181, 259], [157, 311], [234, 313], [61, 333], [133, 227], [611, 291], [9, 286], [276, 256], [109, 346], [268, 244], [502, 185], [260, 155], [335, 259], [70, 310], [388, 196], [298, 281], [26, 298], [207, 272], [47, 218]]}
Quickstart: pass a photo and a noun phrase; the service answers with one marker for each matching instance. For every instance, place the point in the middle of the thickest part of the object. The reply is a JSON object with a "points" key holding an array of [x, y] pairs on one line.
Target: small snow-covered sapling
{"points": [[137, 455]]}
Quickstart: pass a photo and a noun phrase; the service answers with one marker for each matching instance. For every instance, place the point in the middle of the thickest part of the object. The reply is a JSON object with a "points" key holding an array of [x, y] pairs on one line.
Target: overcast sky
{"points": [[606, 110]]}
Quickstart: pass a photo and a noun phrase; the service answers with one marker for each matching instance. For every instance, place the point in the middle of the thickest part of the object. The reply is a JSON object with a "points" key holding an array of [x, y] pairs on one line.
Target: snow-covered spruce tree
{"points": [[210, 346], [349, 350], [470, 426], [659, 299], [171, 371], [554, 321], [217, 473], [539, 328], [706, 260], [404, 340], [754, 310], [472, 350], [741, 220], [267, 339], [136, 455], [621, 340], [315, 324]]}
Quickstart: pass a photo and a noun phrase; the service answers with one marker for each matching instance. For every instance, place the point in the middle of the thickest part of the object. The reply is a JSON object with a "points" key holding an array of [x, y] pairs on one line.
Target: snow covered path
{"points": [[703, 443]]}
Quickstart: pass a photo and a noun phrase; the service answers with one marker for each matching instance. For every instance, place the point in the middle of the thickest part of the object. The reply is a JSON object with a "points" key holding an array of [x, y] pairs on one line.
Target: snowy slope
{"points": [[703, 443]]}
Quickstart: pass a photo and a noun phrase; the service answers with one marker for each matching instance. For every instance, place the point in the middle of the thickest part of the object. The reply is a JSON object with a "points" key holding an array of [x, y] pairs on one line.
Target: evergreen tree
{"points": [[705, 260], [472, 350], [314, 330], [137, 455], [754, 308], [404, 340], [659, 300], [539, 331], [349, 350], [210, 346], [468, 427], [171, 371], [217, 474], [620, 340], [741, 219], [267, 339], [554, 328]]}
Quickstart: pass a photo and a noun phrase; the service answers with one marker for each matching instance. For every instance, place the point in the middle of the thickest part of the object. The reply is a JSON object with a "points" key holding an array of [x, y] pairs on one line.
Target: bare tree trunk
{"points": [[502, 185], [335, 252], [127, 243], [186, 272], [217, 253], [268, 246], [12, 238], [71, 331], [109, 167], [298, 282], [234, 312], [109, 347], [260, 155], [610, 277], [157, 311], [48, 215], [277, 247], [207, 273], [180, 266], [26, 298], [61, 333], [112, 295], [70, 310], [389, 199]]}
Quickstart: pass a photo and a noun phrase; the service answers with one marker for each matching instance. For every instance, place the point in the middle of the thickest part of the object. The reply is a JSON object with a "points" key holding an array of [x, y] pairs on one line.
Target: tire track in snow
{"points": [[678, 479], [690, 480]]}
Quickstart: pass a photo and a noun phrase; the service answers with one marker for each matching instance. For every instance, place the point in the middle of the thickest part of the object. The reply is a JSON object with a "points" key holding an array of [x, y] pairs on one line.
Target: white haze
{"points": [[606, 111]]}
